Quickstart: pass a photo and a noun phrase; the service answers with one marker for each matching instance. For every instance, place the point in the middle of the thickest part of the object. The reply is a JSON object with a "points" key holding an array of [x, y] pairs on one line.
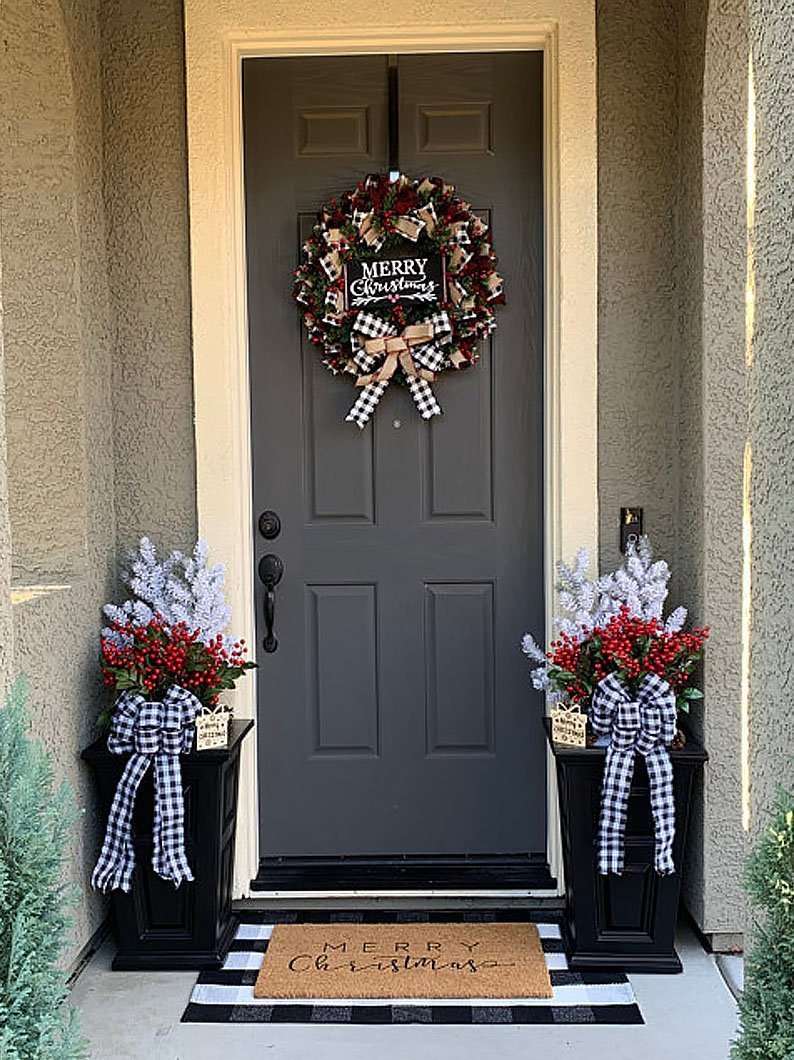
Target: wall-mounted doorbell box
{"points": [[630, 527]]}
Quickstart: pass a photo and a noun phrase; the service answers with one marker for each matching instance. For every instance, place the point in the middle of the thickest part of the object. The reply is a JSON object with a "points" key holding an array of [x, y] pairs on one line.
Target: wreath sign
{"points": [[398, 281]]}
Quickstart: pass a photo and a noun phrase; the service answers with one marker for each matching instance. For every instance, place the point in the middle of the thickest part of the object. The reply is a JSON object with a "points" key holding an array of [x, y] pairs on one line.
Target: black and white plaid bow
{"points": [[159, 732], [379, 348], [644, 724]]}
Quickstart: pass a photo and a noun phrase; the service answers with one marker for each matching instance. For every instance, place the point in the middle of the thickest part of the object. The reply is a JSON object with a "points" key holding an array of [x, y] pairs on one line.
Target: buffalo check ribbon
{"points": [[642, 724], [379, 348], [150, 732]]}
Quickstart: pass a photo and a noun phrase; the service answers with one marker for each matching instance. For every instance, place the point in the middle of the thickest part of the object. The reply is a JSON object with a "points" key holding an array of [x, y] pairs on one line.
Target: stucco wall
{"points": [[97, 338], [58, 341], [146, 195], [771, 426], [671, 359], [712, 271], [6, 619], [43, 370], [690, 375], [637, 310]]}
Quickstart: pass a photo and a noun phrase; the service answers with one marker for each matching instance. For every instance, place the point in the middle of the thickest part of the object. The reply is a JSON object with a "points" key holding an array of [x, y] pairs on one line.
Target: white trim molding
{"points": [[218, 37]]}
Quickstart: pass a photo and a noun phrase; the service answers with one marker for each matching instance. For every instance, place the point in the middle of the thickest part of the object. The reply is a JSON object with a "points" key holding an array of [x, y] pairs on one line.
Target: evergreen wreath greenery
{"points": [[34, 826], [766, 1008]]}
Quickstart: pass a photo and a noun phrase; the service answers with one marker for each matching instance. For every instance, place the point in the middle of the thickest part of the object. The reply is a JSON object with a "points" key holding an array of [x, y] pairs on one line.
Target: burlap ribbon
{"points": [[396, 349], [409, 225], [381, 348]]}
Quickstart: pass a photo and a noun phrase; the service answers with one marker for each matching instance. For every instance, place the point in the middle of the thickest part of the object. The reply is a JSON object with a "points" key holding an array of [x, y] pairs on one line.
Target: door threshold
{"points": [[410, 873], [493, 893]]}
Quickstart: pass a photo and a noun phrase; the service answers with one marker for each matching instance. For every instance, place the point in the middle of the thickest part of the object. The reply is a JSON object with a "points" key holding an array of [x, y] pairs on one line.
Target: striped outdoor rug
{"points": [[227, 995]]}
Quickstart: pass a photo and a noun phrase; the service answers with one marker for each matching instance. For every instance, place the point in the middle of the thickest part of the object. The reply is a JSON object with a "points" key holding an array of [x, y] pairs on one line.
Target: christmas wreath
{"points": [[398, 282]]}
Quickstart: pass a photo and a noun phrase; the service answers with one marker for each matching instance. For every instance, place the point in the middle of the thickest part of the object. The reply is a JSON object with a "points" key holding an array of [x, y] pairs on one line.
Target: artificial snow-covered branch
{"points": [[178, 588]]}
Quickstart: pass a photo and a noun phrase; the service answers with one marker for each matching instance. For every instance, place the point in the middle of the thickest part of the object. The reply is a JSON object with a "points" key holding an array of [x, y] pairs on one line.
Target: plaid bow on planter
{"points": [[643, 725], [148, 731], [380, 347]]}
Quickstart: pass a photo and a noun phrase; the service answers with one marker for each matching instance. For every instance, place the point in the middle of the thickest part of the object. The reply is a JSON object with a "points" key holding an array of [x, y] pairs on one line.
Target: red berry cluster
{"points": [[628, 646], [148, 659]]}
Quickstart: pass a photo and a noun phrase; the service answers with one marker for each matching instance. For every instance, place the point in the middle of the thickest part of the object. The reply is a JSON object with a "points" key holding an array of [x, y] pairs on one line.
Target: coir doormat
{"points": [[355, 961], [227, 994]]}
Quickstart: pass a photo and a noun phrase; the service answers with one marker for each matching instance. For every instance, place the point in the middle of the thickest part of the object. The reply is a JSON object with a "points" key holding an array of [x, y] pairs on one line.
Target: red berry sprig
{"points": [[630, 647], [149, 659]]}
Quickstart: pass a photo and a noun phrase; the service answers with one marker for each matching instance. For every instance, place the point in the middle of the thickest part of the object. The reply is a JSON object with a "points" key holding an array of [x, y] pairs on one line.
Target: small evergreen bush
{"points": [[34, 825], [766, 1008]]}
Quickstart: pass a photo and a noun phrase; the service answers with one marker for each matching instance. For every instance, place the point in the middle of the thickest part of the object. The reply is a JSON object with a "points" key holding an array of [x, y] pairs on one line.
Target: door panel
{"points": [[345, 699], [339, 465], [396, 717], [459, 677], [463, 437]]}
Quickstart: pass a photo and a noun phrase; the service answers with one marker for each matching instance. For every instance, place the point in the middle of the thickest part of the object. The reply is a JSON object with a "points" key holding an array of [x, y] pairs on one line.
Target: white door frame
{"points": [[216, 43]]}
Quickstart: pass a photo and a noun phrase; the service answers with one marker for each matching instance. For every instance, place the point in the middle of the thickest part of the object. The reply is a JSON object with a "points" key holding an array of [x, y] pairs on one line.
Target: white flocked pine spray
{"points": [[179, 588]]}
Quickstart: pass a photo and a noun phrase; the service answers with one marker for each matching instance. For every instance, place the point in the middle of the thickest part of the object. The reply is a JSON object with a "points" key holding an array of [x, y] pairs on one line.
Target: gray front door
{"points": [[396, 723]]}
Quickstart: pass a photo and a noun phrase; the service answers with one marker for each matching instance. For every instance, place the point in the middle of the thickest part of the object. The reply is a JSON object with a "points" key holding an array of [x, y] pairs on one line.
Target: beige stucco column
{"points": [[6, 624], [712, 269], [771, 423]]}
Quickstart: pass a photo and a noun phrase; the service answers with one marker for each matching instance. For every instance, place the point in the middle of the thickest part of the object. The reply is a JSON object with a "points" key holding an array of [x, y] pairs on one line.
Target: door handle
{"points": [[271, 569]]}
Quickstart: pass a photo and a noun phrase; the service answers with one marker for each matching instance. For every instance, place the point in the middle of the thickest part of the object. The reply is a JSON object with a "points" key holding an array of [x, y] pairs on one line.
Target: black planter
{"points": [[157, 925], [623, 921]]}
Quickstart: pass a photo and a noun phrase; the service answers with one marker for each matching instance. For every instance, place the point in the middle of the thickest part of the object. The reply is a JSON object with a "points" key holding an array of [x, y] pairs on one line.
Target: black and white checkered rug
{"points": [[227, 995]]}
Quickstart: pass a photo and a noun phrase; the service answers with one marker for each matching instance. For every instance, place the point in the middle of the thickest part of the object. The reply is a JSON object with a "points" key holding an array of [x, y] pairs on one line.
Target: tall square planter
{"points": [[157, 925], [625, 921]]}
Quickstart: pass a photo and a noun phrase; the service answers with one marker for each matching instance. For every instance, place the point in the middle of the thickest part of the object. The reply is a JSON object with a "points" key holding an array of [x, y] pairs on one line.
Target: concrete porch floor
{"points": [[135, 1016]]}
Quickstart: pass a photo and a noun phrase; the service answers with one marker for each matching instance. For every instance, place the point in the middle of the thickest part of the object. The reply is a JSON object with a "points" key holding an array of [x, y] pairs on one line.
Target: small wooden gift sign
{"points": [[568, 725], [212, 730]]}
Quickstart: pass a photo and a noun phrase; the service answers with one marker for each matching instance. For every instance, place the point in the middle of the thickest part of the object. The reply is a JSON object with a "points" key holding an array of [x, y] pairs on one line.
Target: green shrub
{"points": [[34, 825], [766, 1008]]}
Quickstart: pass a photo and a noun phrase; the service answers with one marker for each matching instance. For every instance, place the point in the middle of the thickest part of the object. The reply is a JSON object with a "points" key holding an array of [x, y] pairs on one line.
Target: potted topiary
{"points": [[624, 794], [170, 804]]}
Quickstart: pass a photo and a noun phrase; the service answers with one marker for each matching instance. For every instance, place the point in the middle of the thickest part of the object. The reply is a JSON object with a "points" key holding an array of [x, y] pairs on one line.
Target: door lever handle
{"points": [[271, 568]]}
